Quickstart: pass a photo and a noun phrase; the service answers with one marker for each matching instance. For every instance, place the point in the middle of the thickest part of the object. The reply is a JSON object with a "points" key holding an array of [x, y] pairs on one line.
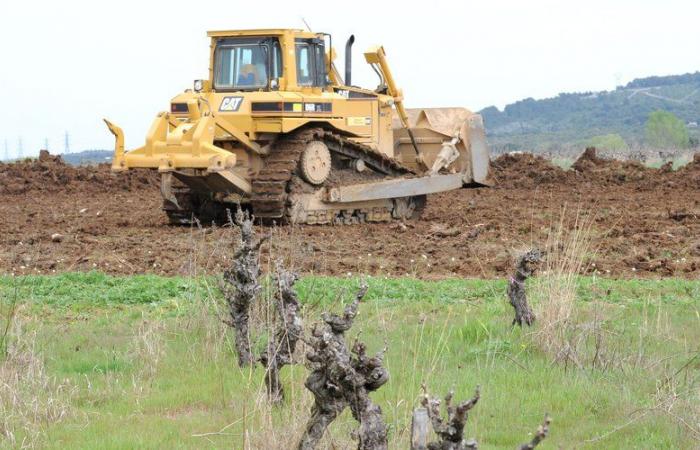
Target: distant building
{"points": [[692, 124]]}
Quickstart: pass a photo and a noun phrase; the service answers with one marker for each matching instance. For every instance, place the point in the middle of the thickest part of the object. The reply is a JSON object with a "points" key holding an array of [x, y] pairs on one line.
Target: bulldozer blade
{"points": [[395, 188], [433, 128], [479, 152]]}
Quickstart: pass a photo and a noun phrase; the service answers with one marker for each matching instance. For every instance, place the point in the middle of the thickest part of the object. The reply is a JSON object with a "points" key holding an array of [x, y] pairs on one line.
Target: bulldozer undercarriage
{"points": [[293, 185]]}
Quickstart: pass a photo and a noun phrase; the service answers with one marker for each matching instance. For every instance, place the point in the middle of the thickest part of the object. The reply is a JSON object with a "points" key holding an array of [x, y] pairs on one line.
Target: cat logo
{"points": [[231, 104]]}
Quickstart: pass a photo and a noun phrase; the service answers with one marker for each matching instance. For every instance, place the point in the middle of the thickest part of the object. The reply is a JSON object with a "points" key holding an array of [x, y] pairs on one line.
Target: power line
{"points": [[67, 144]]}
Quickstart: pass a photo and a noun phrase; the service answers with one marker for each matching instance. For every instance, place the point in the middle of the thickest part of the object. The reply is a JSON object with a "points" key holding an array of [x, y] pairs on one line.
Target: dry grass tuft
{"points": [[148, 348], [271, 433], [562, 331], [30, 399]]}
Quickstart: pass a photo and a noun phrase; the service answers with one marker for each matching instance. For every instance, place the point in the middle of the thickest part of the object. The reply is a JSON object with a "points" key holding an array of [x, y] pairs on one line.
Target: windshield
{"points": [[244, 63]]}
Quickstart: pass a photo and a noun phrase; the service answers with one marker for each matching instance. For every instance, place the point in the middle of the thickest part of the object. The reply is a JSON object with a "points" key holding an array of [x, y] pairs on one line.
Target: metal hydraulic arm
{"points": [[376, 57]]}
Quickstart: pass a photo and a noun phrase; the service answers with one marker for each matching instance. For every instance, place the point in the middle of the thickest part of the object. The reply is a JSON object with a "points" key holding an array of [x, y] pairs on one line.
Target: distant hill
{"points": [[88, 157], [570, 119]]}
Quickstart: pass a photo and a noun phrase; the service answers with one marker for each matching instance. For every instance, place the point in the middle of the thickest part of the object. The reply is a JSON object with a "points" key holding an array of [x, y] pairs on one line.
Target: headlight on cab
{"points": [[198, 85]]}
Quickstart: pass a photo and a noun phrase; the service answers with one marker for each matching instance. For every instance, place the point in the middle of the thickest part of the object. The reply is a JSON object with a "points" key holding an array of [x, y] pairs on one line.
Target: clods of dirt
{"points": [[645, 223], [49, 173]]}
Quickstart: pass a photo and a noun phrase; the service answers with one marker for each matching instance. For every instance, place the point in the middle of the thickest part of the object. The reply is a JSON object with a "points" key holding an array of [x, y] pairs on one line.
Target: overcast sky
{"points": [[66, 64]]}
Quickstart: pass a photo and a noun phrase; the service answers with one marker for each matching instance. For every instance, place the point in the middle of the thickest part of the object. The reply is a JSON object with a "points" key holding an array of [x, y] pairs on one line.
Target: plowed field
{"points": [[646, 222]]}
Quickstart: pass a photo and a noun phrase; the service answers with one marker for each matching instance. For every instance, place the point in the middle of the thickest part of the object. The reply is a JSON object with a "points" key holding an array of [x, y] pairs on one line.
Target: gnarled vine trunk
{"points": [[241, 285], [340, 378]]}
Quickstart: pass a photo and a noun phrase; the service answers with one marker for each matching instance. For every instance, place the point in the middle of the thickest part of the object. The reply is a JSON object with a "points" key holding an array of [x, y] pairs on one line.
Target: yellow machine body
{"points": [[217, 137]]}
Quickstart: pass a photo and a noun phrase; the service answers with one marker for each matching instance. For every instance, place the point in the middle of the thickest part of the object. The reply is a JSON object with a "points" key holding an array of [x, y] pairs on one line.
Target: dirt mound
{"points": [[610, 171], [588, 161], [689, 175], [695, 165], [525, 170], [49, 173]]}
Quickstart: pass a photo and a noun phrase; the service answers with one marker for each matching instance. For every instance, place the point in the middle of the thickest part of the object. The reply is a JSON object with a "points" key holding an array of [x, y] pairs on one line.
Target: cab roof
{"points": [[263, 32]]}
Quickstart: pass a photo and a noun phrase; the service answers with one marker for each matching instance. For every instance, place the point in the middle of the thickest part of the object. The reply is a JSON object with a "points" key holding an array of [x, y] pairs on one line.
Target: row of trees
{"points": [[569, 118], [663, 129]]}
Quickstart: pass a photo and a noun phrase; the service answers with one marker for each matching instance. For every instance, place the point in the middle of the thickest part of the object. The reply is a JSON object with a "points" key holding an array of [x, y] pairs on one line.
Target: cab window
{"points": [[304, 66], [246, 63], [311, 65]]}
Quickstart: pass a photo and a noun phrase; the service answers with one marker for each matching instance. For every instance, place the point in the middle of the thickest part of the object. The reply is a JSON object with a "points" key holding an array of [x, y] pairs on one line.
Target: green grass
{"points": [[563, 163], [99, 333]]}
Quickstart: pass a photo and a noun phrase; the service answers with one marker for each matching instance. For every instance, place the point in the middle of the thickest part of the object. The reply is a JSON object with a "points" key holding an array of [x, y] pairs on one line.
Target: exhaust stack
{"points": [[348, 60]]}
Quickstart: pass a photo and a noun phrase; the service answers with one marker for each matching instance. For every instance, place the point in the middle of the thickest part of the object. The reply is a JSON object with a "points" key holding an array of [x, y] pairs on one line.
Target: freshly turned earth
{"points": [[645, 222]]}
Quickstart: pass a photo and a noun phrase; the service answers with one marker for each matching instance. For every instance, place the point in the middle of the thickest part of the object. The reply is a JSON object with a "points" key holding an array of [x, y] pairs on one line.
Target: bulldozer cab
{"points": [[268, 60]]}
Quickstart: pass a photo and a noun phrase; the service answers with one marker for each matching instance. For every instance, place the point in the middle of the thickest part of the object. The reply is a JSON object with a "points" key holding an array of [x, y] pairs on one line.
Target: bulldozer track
{"points": [[275, 186], [269, 197], [276, 181], [375, 160]]}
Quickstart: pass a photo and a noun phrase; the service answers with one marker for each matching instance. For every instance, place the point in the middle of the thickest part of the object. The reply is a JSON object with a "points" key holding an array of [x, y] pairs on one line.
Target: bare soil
{"points": [[57, 218]]}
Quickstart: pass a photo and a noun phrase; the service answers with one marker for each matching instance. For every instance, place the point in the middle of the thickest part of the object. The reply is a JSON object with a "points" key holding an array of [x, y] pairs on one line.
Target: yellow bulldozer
{"points": [[276, 130]]}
